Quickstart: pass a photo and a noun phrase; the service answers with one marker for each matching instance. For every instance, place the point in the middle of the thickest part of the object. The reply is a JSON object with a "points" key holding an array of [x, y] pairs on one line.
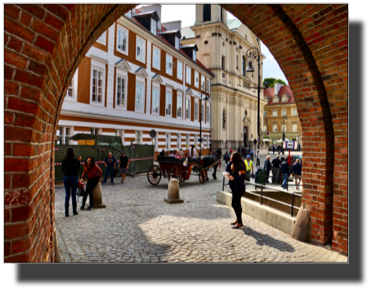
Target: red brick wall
{"points": [[44, 45]]}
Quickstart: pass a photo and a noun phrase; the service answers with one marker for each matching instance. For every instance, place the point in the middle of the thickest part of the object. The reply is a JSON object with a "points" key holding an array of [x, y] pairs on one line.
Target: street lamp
{"points": [[200, 124], [254, 54]]}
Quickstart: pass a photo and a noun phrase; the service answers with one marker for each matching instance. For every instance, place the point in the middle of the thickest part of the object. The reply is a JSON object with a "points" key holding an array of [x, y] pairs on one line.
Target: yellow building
{"points": [[280, 115], [222, 45]]}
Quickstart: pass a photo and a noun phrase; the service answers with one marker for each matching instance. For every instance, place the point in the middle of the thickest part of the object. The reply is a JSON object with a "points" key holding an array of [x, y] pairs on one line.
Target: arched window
{"points": [[243, 66], [206, 12]]}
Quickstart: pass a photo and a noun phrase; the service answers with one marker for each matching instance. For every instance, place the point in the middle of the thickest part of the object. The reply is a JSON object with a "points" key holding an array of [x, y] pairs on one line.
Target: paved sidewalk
{"points": [[138, 227]]}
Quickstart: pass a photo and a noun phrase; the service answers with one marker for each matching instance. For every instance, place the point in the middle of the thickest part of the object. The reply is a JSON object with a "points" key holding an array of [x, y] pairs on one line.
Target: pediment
{"points": [[141, 72], [157, 79], [189, 92], [123, 64]]}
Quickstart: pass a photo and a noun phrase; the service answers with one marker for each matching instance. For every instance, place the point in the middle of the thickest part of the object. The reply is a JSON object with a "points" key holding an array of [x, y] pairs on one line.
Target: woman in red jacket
{"points": [[94, 173]]}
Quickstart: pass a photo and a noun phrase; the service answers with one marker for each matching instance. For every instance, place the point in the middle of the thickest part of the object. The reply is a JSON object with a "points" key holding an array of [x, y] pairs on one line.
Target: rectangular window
{"points": [[274, 113], [156, 58], [274, 128], [208, 86], [194, 55], [102, 39], [283, 128], [168, 104], [139, 97], [294, 127], [169, 64], [294, 112], [196, 111], [153, 26], [120, 93], [179, 70], [156, 101], [70, 90], [202, 112], [196, 79], [283, 112], [188, 108], [265, 114], [140, 49], [179, 106], [188, 75], [203, 83], [223, 63], [208, 113], [176, 42], [97, 86], [122, 40]]}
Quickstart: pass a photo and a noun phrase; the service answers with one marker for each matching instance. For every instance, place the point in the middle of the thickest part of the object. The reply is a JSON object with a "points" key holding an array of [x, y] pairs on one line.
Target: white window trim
{"points": [[105, 39], [195, 77], [178, 63], [294, 112], [273, 128], [294, 129], [151, 28], [166, 69], [140, 80], [204, 114], [127, 39], [208, 117], [169, 90], [203, 81], [156, 86], [122, 74], [196, 106], [207, 84], [75, 97], [100, 67], [176, 39], [188, 82], [159, 58], [187, 97], [179, 94], [143, 58], [283, 112], [274, 112]]}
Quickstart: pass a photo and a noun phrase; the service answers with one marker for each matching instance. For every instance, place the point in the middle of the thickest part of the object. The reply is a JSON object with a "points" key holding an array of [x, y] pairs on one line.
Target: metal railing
{"points": [[262, 186]]}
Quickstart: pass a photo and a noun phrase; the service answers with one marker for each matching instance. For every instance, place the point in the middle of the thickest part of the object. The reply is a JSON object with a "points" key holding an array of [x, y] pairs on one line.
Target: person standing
{"points": [[248, 166], [124, 164], [267, 167], [110, 163], [274, 148], [162, 153], [181, 153], [193, 152], [70, 167], [94, 173], [297, 171], [237, 170], [285, 173], [276, 169]]}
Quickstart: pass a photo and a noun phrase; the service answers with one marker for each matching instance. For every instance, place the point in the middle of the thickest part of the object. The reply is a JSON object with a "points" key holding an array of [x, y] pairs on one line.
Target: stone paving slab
{"points": [[138, 227]]}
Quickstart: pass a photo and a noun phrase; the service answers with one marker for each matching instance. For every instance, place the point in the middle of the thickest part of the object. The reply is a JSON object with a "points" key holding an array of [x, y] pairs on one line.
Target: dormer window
{"points": [[153, 26], [177, 43], [194, 55]]}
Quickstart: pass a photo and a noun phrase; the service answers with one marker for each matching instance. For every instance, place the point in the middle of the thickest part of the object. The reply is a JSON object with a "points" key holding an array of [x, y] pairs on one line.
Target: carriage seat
{"points": [[168, 159]]}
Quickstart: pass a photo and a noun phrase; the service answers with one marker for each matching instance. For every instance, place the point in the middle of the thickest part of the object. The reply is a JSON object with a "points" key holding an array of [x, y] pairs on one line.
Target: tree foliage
{"points": [[271, 81]]}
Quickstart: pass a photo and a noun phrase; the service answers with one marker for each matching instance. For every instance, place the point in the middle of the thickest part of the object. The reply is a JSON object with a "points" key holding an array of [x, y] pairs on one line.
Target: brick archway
{"points": [[44, 45]]}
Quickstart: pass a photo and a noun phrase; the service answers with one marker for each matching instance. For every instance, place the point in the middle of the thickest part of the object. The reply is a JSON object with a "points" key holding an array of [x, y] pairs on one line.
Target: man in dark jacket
{"points": [[110, 163], [267, 167], [124, 164], [276, 169], [279, 149], [285, 173]]}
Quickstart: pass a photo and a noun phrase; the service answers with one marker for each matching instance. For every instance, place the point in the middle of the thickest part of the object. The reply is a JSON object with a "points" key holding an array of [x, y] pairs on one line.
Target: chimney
{"points": [[277, 88], [173, 25]]}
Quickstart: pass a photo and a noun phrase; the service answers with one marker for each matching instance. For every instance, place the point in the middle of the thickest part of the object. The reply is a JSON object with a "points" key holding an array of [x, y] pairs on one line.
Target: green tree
{"points": [[271, 81]]}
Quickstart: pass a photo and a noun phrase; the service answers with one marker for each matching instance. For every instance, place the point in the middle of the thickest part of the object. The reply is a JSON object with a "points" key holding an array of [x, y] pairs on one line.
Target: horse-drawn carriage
{"points": [[182, 169]]}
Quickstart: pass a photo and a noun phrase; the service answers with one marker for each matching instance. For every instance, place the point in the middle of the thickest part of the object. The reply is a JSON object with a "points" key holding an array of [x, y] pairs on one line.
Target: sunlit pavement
{"points": [[139, 227]]}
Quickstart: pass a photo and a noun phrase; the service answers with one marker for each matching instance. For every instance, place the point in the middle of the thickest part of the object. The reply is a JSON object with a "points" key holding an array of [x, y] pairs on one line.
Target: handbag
{"points": [[80, 190]]}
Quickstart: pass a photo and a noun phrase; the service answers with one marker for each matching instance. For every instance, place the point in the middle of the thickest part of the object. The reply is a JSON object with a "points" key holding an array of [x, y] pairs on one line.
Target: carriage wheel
{"points": [[203, 176], [177, 173], [154, 174]]}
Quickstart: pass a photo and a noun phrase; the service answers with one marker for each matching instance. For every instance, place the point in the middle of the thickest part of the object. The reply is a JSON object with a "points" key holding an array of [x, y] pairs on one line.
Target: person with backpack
{"points": [[70, 167]]}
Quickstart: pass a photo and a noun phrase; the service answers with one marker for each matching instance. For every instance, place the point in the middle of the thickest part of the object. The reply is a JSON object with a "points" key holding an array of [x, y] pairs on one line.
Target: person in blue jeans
{"points": [[70, 167], [110, 163], [285, 173]]}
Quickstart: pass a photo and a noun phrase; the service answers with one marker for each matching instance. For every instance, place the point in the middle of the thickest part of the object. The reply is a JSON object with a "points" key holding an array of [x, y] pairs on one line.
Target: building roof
{"points": [[284, 90], [159, 36], [232, 24]]}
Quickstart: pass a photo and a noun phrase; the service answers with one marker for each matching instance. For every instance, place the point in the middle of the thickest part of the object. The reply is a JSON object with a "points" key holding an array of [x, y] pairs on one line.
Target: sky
{"points": [[186, 13]]}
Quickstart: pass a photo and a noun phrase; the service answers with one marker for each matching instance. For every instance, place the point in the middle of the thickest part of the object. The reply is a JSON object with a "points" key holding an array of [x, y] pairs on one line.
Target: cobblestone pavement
{"points": [[138, 227]]}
